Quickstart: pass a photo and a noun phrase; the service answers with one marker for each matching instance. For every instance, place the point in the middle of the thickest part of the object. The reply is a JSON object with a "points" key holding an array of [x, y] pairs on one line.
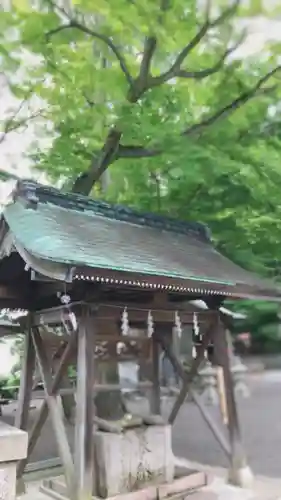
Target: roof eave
{"points": [[66, 272]]}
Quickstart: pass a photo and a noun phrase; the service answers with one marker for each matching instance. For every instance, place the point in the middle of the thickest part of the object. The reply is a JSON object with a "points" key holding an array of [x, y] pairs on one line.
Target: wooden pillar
{"points": [[84, 450], [44, 410], [239, 474], [26, 381], [67, 401], [187, 379], [55, 412], [25, 390], [155, 400]]}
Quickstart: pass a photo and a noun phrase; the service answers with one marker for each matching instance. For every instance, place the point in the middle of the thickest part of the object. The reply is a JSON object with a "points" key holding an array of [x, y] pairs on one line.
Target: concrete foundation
{"points": [[13, 447], [128, 461], [241, 476]]}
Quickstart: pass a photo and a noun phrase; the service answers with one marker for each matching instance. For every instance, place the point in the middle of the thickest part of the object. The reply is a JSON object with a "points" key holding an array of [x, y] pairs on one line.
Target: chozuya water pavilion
{"points": [[79, 263]]}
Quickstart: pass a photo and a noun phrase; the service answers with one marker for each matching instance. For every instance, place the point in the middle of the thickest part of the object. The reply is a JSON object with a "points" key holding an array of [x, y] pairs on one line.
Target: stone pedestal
{"points": [[131, 460], [241, 476], [13, 447]]}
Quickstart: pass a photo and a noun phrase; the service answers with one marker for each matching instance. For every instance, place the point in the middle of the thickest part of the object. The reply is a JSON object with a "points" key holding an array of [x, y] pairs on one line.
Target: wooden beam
{"points": [[10, 292], [149, 283], [187, 377], [44, 410], [84, 451], [65, 391], [155, 402], [50, 316], [110, 306], [205, 414], [26, 381], [55, 412], [38, 277], [54, 315], [137, 313], [221, 349], [106, 346], [9, 331]]}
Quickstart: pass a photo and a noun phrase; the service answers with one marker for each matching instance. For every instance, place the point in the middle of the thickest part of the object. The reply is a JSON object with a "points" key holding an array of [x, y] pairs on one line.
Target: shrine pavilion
{"points": [[100, 272]]}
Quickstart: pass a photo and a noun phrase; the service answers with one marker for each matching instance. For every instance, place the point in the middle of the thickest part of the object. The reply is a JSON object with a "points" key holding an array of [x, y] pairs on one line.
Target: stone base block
{"points": [[128, 461], [13, 443], [13, 447], [185, 483], [8, 481], [242, 477]]}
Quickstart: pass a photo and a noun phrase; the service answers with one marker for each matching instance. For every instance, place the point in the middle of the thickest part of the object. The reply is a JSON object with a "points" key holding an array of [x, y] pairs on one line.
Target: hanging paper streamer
{"points": [[197, 337], [69, 319], [178, 325], [196, 329], [150, 325], [125, 327], [196, 334]]}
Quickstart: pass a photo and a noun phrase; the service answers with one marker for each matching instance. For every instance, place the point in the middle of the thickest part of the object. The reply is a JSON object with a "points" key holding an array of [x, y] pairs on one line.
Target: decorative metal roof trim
{"points": [[143, 284]]}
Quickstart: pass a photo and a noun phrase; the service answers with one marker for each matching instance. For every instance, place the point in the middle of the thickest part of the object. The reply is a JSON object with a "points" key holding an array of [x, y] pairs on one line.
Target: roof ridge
{"points": [[47, 194]]}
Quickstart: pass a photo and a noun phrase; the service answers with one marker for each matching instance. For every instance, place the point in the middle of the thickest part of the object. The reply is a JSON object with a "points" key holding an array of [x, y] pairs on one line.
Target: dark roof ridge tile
{"points": [[73, 201]]}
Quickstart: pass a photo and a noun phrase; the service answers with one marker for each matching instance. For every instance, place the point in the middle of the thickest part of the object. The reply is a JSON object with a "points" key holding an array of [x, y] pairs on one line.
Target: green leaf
{"points": [[227, 176]]}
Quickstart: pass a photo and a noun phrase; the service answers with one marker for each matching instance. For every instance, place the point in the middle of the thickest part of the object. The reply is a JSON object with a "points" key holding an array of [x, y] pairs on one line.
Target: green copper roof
{"points": [[74, 230]]}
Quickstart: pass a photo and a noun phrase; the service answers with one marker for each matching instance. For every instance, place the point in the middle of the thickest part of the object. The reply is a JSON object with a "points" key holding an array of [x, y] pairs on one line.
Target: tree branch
{"points": [[195, 194], [235, 104], [157, 181], [142, 152], [199, 74], [136, 152], [73, 24], [112, 149], [99, 164], [142, 82], [148, 51], [54, 66], [12, 124], [260, 131], [5, 175], [176, 69], [150, 45]]}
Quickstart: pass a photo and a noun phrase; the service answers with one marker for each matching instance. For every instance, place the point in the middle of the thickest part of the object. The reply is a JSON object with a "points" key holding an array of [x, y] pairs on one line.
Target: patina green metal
{"points": [[74, 230]]}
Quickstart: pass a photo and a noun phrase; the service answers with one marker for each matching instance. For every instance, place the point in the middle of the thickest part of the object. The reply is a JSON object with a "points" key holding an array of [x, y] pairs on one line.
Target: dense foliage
{"points": [[149, 104], [263, 322]]}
